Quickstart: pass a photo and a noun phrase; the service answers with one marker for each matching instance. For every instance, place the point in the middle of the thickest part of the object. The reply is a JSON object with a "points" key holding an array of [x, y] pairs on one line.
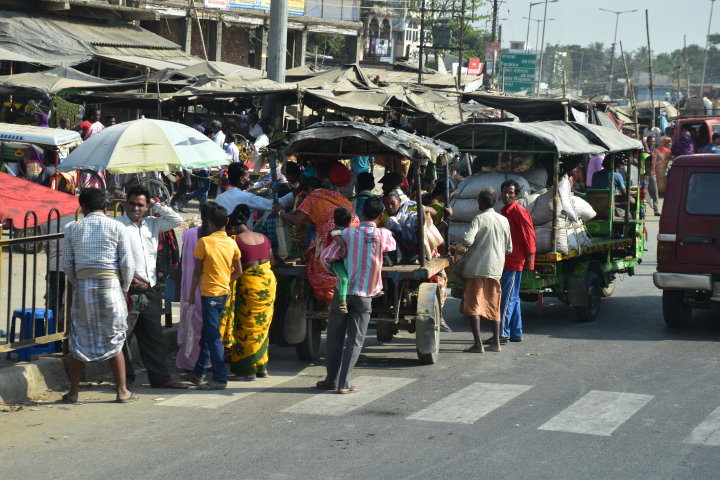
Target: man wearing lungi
{"points": [[487, 241], [98, 261]]}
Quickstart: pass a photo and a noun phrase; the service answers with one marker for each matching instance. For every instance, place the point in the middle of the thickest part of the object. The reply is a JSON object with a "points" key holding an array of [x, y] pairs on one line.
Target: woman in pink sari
{"points": [[190, 240]]}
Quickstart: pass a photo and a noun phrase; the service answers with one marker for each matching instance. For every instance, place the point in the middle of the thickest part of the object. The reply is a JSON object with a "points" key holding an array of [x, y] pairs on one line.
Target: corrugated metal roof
{"points": [[122, 35]]}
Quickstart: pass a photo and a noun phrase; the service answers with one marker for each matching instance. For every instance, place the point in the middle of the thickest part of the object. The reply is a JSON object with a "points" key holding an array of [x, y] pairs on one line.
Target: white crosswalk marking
{"points": [[233, 392], [470, 403], [332, 404], [597, 413], [708, 432]]}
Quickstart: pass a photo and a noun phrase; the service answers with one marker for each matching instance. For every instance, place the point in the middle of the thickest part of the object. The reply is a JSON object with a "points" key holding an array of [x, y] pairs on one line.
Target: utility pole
{"points": [[582, 57], [542, 50], [277, 40], [678, 85], [652, 87], [460, 51], [687, 66], [422, 41], [612, 58], [633, 104], [494, 19], [707, 42]]}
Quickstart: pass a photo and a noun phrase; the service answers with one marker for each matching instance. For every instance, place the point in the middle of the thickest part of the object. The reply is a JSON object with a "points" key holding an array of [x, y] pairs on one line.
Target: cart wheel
{"points": [[309, 348], [427, 322], [607, 291], [30, 248], [676, 313], [591, 311], [385, 331]]}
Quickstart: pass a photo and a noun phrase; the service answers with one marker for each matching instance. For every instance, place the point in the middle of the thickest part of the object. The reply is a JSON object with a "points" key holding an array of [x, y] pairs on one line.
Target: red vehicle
{"points": [[701, 130], [688, 252]]}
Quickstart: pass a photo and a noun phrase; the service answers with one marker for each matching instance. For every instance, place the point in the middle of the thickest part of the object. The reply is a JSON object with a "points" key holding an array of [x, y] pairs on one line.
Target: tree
{"points": [[329, 45]]}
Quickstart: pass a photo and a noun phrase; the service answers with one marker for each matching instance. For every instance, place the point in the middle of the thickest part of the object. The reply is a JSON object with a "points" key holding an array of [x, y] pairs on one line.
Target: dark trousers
{"points": [[354, 324], [147, 329], [55, 294], [185, 184]]}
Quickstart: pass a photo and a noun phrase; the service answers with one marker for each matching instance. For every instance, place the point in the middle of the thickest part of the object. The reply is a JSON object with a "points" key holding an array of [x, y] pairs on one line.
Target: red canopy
{"points": [[19, 196]]}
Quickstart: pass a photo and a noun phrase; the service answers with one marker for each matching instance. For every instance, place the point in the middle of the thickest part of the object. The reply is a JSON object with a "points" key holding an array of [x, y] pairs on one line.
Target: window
{"points": [[385, 29], [374, 28], [702, 188]]}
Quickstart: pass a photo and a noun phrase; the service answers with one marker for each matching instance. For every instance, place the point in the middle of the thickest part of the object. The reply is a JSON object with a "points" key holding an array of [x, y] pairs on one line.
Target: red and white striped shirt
{"points": [[363, 262]]}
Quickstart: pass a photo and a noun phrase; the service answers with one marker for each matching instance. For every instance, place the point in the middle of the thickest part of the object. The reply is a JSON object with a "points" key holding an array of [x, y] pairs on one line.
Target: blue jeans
{"points": [[203, 188], [211, 347], [510, 319]]}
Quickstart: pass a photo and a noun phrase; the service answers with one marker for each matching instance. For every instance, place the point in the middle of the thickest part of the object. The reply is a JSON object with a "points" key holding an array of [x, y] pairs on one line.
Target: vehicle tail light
{"points": [[545, 269], [666, 251]]}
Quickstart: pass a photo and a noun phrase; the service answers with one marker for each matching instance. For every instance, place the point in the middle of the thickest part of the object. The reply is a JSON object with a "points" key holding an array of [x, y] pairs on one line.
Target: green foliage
{"points": [[331, 45]]}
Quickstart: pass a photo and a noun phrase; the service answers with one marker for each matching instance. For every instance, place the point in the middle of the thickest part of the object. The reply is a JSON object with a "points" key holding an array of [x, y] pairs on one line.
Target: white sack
{"points": [[464, 209], [564, 199], [583, 209], [536, 177], [471, 186], [457, 231], [539, 205]]}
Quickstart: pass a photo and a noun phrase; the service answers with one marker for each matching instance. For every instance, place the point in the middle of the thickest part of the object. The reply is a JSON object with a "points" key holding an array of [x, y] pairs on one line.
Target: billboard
{"points": [[217, 4], [379, 47], [295, 7], [474, 66]]}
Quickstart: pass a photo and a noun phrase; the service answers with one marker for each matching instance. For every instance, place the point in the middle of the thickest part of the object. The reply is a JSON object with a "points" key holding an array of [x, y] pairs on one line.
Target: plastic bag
{"points": [[187, 325]]}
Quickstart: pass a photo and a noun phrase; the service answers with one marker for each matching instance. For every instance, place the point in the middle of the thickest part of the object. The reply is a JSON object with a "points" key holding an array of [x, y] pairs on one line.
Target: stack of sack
{"points": [[572, 211], [464, 203]]}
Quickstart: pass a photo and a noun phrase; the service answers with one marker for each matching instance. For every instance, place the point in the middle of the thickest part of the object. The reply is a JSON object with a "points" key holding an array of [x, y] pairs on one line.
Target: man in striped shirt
{"points": [[363, 262]]}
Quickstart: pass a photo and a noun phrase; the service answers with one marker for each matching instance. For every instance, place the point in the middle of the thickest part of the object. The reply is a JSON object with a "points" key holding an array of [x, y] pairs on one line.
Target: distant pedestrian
{"points": [[488, 241], [363, 264], [521, 258], [145, 292], [217, 261], [361, 165], [198, 124], [98, 261], [652, 130]]}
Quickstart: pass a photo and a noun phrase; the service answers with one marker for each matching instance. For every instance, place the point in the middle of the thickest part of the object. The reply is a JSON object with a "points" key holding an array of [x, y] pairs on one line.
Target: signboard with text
{"points": [[519, 71], [491, 53], [217, 4], [295, 7], [474, 66]]}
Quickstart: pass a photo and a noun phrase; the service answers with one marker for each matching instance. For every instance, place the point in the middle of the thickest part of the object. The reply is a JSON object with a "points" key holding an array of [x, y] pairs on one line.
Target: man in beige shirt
{"points": [[488, 241]]}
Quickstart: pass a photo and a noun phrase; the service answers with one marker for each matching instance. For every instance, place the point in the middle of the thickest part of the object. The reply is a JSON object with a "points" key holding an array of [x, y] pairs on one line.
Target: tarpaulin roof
{"points": [[234, 87], [53, 81], [528, 109], [352, 138], [346, 103], [219, 68], [41, 41], [437, 80], [332, 79], [119, 34], [565, 138], [303, 72], [19, 196]]}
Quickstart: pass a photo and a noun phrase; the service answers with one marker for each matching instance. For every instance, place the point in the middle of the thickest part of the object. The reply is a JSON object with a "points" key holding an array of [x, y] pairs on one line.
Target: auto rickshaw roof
{"points": [[350, 139], [561, 137], [54, 137]]}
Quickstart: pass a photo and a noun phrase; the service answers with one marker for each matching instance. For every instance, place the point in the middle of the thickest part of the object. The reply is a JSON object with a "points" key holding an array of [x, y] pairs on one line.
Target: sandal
{"points": [[262, 375], [241, 378], [211, 385], [66, 399], [348, 390], [190, 377], [173, 384], [324, 386], [133, 397]]}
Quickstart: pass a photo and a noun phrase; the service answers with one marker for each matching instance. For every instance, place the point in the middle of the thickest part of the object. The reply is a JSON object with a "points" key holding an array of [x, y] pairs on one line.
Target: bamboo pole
{"points": [[633, 104], [652, 86]]}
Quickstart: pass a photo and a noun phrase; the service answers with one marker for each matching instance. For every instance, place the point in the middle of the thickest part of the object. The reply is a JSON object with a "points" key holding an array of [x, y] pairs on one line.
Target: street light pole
{"points": [[529, 17], [582, 55], [542, 50], [612, 58], [707, 42]]}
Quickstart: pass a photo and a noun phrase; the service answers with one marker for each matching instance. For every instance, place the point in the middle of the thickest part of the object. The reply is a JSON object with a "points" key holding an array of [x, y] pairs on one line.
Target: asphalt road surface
{"points": [[621, 397]]}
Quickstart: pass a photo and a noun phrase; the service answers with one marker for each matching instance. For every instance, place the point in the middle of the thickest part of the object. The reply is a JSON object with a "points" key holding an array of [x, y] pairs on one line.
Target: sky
{"points": [[581, 22]]}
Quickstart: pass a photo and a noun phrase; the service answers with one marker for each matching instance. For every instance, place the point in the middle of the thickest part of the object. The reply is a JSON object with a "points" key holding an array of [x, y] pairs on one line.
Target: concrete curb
{"points": [[20, 381]]}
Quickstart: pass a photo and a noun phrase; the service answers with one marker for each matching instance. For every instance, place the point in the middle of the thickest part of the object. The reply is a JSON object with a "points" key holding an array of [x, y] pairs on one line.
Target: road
{"points": [[622, 397]]}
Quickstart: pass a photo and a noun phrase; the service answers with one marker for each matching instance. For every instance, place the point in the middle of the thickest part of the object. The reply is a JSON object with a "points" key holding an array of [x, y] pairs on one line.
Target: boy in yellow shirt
{"points": [[217, 260]]}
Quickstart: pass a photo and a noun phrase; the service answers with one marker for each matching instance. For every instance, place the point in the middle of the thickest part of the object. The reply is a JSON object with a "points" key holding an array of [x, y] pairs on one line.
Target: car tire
{"points": [[677, 314]]}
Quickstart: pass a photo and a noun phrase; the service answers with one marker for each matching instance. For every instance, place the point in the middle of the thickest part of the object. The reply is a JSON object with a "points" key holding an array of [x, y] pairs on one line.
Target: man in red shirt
{"points": [[521, 258]]}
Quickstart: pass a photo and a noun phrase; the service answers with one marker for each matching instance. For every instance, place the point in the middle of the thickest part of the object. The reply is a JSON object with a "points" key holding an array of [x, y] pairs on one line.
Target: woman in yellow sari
{"points": [[247, 333]]}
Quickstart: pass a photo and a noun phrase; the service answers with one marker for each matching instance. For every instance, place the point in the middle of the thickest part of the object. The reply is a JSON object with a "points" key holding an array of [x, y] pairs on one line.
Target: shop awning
{"points": [[19, 196], [52, 81]]}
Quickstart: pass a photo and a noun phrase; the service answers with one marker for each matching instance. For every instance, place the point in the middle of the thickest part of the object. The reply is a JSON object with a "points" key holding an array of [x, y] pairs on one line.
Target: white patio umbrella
{"points": [[145, 145]]}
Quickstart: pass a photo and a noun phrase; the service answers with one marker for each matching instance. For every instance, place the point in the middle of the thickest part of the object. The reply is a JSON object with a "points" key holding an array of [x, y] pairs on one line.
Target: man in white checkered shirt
{"points": [[98, 261]]}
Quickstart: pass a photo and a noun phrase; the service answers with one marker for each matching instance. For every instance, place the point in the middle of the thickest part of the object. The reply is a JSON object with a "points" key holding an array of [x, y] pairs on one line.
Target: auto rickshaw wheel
{"points": [[590, 312], [427, 323], [31, 248], [385, 331], [309, 348]]}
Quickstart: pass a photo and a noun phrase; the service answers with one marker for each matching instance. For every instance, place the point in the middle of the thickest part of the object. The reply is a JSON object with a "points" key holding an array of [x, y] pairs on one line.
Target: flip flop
{"points": [[211, 385], [133, 397], [262, 375], [344, 391], [324, 386], [240, 378], [190, 377], [67, 400], [175, 385]]}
